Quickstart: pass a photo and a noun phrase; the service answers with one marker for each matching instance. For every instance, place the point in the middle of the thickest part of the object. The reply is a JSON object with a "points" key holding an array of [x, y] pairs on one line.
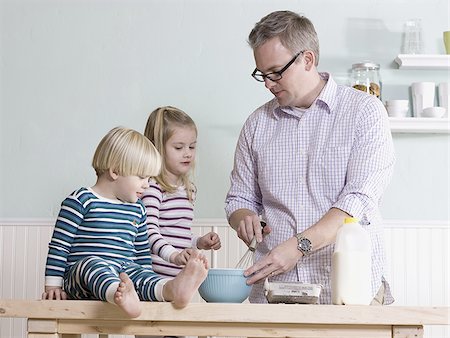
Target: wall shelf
{"points": [[425, 124], [428, 125], [423, 61]]}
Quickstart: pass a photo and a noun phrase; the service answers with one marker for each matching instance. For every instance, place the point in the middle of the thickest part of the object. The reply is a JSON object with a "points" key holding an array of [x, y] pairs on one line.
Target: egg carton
{"points": [[292, 292]]}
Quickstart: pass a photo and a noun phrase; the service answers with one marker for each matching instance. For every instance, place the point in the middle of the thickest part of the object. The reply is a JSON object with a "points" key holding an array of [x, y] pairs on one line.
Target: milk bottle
{"points": [[351, 265]]}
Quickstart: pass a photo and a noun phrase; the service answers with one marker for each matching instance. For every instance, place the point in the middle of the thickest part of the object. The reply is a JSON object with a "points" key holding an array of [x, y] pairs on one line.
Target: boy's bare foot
{"points": [[126, 297], [181, 289]]}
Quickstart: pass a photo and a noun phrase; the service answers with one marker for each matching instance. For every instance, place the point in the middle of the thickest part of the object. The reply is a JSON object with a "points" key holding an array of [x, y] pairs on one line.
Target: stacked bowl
{"points": [[225, 286]]}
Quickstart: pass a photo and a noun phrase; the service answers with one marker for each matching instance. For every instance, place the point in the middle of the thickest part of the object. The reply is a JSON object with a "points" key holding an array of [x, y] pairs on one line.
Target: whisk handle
{"points": [[252, 245]]}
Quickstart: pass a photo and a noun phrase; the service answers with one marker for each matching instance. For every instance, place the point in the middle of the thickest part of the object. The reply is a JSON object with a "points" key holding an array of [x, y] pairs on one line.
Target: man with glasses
{"points": [[315, 154]]}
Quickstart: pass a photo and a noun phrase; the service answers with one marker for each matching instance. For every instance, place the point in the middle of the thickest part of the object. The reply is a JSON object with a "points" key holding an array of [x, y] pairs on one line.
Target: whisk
{"points": [[248, 259]]}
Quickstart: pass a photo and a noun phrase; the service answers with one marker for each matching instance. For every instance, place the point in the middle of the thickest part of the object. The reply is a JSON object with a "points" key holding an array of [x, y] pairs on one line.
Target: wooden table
{"points": [[50, 318]]}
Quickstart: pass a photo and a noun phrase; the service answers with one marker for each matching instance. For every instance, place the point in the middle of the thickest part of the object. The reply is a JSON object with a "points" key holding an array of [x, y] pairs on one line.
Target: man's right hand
{"points": [[54, 292], [249, 227]]}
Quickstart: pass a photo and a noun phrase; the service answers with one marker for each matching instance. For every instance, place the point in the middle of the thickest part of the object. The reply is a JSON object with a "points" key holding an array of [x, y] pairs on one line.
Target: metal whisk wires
{"points": [[247, 259]]}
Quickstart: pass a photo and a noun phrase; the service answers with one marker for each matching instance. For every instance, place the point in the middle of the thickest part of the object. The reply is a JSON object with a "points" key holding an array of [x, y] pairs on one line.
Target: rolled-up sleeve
{"points": [[371, 162]]}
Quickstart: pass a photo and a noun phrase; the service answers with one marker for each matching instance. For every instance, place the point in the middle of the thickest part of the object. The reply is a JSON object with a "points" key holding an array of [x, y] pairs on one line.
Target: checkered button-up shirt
{"points": [[291, 166]]}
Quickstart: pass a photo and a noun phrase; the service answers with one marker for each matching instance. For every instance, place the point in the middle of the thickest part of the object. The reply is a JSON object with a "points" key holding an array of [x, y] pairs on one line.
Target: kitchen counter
{"points": [[48, 318]]}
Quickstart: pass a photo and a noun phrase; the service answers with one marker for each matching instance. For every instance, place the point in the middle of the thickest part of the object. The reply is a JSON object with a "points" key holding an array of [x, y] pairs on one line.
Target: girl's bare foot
{"points": [[181, 289], [126, 297]]}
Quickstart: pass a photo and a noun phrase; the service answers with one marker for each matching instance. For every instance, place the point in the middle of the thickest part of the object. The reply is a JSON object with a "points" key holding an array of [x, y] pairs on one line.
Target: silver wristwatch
{"points": [[304, 245]]}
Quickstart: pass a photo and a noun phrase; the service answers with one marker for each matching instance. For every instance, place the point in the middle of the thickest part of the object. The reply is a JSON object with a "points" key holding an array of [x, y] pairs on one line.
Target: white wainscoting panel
{"points": [[417, 263]]}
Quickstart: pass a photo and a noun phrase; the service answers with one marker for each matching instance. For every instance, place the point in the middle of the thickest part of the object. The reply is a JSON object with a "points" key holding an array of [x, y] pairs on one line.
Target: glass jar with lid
{"points": [[366, 77]]}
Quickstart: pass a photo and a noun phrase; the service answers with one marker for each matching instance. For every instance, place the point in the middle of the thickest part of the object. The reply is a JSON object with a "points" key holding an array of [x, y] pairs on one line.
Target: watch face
{"points": [[305, 244]]}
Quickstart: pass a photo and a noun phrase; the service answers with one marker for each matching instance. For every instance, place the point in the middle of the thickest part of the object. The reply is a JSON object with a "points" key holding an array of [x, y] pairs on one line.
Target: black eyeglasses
{"points": [[274, 76]]}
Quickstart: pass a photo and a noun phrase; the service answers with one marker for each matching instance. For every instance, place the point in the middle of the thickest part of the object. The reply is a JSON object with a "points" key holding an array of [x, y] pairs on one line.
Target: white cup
{"points": [[443, 96], [423, 94], [397, 108]]}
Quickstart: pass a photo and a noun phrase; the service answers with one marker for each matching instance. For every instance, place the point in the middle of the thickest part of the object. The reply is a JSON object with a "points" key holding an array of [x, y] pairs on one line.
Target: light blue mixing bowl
{"points": [[225, 286]]}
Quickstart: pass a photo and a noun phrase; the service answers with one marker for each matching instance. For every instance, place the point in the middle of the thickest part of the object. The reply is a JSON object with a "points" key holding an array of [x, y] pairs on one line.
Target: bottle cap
{"points": [[350, 220]]}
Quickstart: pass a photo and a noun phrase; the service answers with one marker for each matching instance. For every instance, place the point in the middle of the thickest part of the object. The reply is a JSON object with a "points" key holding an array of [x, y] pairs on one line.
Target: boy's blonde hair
{"points": [[126, 152], [159, 129]]}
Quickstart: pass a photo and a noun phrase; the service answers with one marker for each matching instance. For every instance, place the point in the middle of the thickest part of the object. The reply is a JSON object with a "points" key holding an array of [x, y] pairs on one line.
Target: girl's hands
{"points": [[54, 292], [209, 241], [181, 258]]}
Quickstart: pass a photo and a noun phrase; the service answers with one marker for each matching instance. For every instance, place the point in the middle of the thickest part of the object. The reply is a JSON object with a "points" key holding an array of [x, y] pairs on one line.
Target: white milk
{"points": [[351, 265], [351, 275]]}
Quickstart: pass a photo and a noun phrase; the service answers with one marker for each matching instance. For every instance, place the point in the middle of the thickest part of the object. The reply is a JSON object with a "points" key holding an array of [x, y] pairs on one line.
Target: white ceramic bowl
{"points": [[225, 286], [397, 103], [397, 108], [433, 112], [395, 111]]}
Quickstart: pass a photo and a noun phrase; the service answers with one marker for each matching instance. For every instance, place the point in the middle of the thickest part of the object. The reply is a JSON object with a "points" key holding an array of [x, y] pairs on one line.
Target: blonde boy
{"points": [[99, 248]]}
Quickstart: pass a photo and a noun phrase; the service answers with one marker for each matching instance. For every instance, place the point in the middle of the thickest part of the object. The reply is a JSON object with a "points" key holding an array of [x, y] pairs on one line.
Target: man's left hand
{"points": [[279, 260]]}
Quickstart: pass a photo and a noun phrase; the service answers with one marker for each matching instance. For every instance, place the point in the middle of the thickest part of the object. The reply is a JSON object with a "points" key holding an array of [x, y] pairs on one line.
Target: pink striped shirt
{"points": [[169, 221], [291, 166]]}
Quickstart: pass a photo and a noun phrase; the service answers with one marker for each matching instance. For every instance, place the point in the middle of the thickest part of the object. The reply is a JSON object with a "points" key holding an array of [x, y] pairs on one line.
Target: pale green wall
{"points": [[72, 70]]}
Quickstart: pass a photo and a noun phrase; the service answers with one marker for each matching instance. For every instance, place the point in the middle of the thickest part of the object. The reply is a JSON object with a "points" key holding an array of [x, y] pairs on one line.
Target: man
{"points": [[315, 154]]}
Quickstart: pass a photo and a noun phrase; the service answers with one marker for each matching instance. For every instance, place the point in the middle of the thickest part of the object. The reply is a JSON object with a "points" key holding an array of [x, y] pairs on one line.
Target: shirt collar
{"points": [[324, 100], [328, 93]]}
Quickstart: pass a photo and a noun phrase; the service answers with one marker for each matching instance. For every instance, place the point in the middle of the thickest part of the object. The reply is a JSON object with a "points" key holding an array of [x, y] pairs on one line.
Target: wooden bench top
{"points": [[237, 313]]}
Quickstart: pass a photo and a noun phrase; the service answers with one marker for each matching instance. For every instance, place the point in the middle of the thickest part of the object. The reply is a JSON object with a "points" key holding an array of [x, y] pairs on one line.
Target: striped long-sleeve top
{"points": [[169, 221], [90, 225]]}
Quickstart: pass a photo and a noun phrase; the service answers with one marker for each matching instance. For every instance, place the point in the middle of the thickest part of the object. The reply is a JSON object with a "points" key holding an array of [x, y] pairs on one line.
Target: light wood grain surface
{"points": [[49, 318], [256, 313]]}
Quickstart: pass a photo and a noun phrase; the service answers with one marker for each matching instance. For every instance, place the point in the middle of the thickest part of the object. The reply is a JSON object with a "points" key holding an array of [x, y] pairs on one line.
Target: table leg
{"points": [[42, 328], [407, 331]]}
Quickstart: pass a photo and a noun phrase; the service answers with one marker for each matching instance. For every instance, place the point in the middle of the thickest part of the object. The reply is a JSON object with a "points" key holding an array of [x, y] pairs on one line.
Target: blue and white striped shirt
{"points": [[291, 166], [90, 225]]}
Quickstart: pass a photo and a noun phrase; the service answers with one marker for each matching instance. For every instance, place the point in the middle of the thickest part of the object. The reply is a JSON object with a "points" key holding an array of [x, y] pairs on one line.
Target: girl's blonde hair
{"points": [[126, 152], [160, 127]]}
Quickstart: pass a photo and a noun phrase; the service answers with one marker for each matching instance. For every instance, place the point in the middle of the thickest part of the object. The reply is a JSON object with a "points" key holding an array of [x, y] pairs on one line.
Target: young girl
{"points": [[170, 198], [99, 248]]}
